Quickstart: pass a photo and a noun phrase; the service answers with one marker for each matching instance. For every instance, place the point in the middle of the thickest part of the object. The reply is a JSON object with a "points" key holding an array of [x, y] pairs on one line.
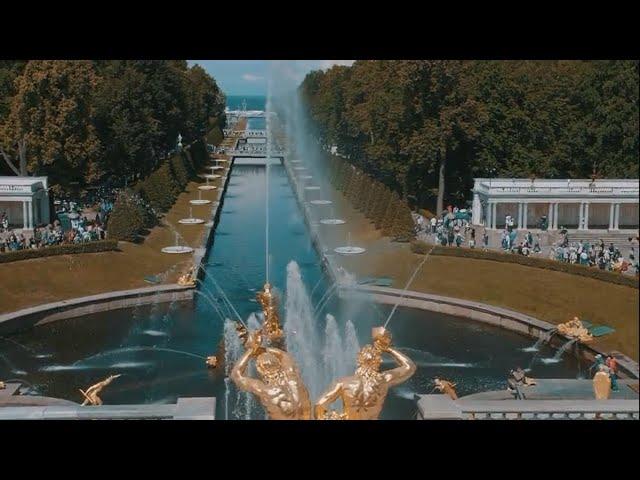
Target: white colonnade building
{"points": [[602, 204], [25, 200]]}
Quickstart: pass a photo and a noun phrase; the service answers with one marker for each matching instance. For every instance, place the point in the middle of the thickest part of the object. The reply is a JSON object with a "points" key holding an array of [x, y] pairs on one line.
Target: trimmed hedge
{"points": [[66, 249], [215, 136], [129, 217], [421, 247]]}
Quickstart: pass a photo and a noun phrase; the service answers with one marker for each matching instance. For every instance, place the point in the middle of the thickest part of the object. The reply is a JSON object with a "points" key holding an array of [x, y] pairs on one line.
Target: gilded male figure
{"points": [[280, 388], [363, 394]]}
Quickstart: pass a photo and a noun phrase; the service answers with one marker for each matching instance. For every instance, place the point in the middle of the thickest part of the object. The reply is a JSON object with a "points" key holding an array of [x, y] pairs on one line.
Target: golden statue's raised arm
{"points": [[238, 376], [403, 372], [330, 396]]}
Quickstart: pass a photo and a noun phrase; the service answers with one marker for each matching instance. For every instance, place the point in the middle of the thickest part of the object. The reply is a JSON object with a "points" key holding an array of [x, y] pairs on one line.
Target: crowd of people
{"points": [[43, 236], [75, 227], [595, 254], [454, 228]]}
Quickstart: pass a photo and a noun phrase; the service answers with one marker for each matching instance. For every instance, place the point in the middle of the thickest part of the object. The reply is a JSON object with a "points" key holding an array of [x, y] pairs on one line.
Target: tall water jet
{"points": [[351, 347], [332, 351], [300, 333]]}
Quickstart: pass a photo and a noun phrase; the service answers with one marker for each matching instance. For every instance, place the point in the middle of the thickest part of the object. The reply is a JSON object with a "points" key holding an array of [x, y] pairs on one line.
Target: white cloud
{"points": [[249, 77]]}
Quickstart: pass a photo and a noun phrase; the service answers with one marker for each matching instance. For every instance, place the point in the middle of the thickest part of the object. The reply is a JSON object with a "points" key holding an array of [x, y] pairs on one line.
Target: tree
{"points": [[51, 114]]}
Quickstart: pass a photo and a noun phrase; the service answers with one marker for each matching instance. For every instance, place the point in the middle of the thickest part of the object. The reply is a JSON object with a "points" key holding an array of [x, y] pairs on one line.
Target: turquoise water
{"points": [[257, 123], [254, 102]]}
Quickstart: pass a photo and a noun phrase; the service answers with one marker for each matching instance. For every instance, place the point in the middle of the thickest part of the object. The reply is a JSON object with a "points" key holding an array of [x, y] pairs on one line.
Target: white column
{"points": [[25, 218], [555, 216], [525, 207], [586, 216], [519, 215], [493, 215], [476, 209], [612, 209], [580, 216], [489, 217], [616, 218], [550, 217]]}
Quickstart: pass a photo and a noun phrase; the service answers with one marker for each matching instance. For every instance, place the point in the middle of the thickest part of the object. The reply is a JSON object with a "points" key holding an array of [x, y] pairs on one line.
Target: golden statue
{"points": [[269, 303], [363, 394], [2, 386], [280, 388], [446, 387], [575, 329], [602, 383], [333, 415], [187, 278], [212, 361], [91, 395]]}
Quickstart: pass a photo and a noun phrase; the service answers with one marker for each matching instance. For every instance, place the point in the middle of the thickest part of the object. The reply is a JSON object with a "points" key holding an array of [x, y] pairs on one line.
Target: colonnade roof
{"points": [[581, 188]]}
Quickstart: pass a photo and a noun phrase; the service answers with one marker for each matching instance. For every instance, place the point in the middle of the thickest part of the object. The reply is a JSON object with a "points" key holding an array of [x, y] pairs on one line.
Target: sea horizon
{"points": [[254, 102]]}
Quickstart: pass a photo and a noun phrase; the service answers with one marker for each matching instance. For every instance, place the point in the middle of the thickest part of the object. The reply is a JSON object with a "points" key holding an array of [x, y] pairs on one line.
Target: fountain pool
{"points": [[160, 348]]}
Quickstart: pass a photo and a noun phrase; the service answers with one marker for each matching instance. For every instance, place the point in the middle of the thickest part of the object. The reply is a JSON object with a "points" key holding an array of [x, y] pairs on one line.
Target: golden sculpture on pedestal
{"points": [[212, 361], [269, 303], [363, 394], [602, 383], [91, 395], [446, 387], [280, 389], [2, 386], [575, 329], [187, 279]]}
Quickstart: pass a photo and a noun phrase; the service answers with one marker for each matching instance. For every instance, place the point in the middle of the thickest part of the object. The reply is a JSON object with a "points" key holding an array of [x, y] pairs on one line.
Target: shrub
{"points": [[66, 249], [198, 155], [178, 169], [548, 264], [404, 226], [381, 205], [215, 136], [160, 189], [128, 217], [390, 215]]}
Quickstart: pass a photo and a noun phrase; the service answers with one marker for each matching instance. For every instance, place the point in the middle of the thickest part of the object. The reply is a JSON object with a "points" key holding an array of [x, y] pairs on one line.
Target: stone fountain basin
{"points": [[320, 202], [191, 221], [300, 168], [349, 250], [212, 176], [312, 187], [199, 202], [332, 221], [216, 167], [207, 187], [177, 249]]}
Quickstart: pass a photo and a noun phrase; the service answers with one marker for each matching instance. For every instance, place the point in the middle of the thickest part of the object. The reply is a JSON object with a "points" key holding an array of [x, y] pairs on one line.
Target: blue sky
{"points": [[249, 77]]}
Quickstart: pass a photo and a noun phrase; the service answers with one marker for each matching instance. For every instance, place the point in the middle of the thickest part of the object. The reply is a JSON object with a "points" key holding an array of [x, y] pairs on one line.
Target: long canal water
{"points": [[160, 349]]}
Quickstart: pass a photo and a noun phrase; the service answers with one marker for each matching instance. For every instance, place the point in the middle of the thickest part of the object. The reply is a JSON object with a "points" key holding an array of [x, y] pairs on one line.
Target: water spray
{"points": [[406, 287]]}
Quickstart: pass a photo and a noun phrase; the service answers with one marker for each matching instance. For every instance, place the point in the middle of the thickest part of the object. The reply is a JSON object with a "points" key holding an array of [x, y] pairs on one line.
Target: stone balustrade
{"points": [[441, 407]]}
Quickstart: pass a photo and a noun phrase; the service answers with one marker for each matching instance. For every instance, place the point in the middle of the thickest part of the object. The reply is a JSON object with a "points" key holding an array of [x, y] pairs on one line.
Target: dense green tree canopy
{"points": [[427, 127], [82, 121]]}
